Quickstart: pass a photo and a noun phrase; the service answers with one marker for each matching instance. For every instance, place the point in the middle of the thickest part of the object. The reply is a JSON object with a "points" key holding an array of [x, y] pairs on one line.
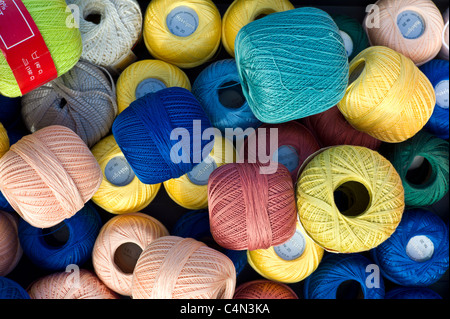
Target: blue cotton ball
{"points": [[218, 90], [70, 242], [412, 293], [416, 254], [9, 289], [163, 134], [437, 71], [336, 269]]}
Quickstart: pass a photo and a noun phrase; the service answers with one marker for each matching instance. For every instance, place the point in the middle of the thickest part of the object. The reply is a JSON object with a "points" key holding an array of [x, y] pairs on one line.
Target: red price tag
{"points": [[24, 48]]}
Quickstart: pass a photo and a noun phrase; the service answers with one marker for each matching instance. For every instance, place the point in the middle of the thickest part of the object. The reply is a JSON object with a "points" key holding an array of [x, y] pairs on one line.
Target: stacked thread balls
{"points": [[349, 198], [49, 175], [249, 209]]}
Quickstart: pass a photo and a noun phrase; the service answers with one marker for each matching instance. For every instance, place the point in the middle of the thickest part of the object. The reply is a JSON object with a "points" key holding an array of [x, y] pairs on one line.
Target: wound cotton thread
{"points": [[191, 190], [4, 140], [119, 246], [242, 12], [49, 175], [83, 99], [156, 134], [443, 54], [10, 249], [218, 90], [250, 210], [185, 33], [290, 262], [416, 255], [422, 163], [437, 72], [78, 284], [349, 198], [264, 289], [148, 76], [412, 293], [411, 27], [332, 129], [388, 97], [9, 289], [121, 191], [338, 269], [14, 136], [68, 243], [295, 144], [292, 64], [64, 43], [195, 224], [109, 30], [169, 268], [353, 34]]}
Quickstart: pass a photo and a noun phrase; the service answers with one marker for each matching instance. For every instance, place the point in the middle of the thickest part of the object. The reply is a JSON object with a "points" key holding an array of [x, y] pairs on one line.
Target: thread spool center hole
{"points": [[263, 14], [351, 198], [57, 235], [126, 257], [62, 103], [230, 95], [349, 289], [94, 17], [354, 75], [419, 171]]}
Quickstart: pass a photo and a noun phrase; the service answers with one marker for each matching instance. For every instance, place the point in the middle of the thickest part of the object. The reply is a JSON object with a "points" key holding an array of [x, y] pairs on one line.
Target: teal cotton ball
{"points": [[292, 64]]}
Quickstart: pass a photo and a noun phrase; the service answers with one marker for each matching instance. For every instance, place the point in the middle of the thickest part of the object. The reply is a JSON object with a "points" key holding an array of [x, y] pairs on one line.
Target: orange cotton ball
{"points": [[172, 267], [264, 289], [119, 245], [49, 175], [250, 208], [10, 249], [77, 284]]}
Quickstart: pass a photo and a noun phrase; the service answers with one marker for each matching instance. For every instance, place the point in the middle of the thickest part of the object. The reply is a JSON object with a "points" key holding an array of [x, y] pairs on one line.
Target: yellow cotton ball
{"points": [[191, 190], [186, 33], [120, 191]]}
